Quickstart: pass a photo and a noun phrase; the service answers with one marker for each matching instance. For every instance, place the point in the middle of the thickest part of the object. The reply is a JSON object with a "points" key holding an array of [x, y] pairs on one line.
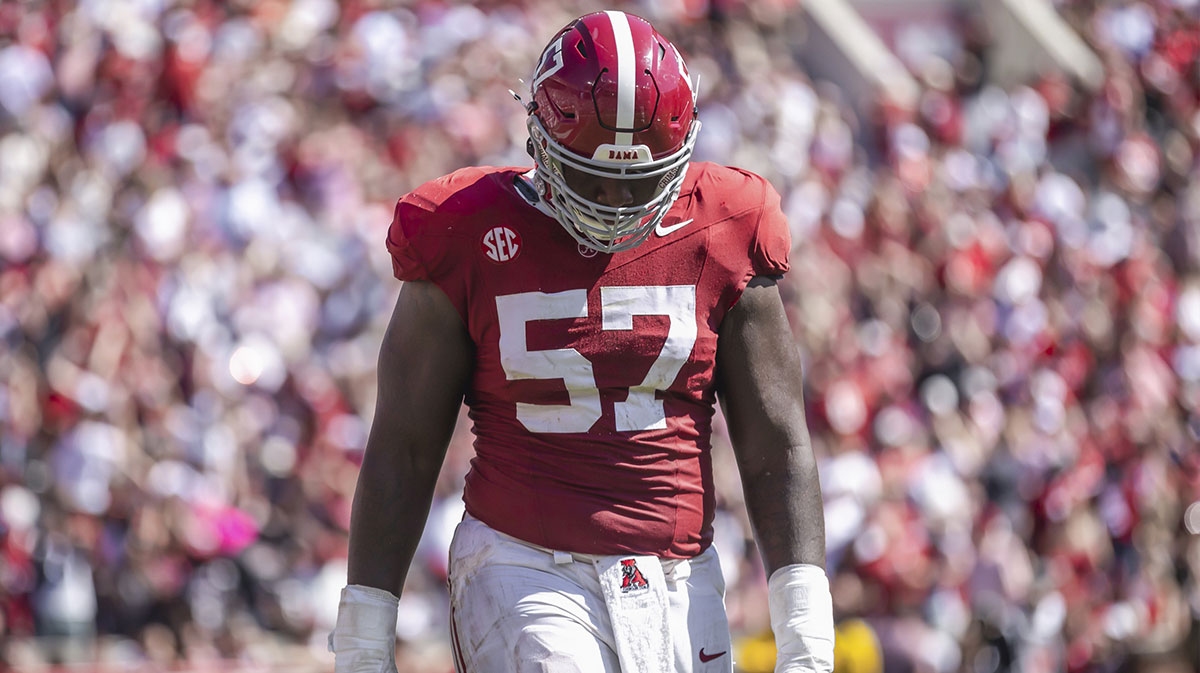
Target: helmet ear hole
{"points": [[529, 148]]}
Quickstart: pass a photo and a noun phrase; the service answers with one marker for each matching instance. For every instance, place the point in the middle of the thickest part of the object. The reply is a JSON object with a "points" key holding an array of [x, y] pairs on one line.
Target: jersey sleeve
{"points": [[406, 260], [752, 237], [424, 245], [772, 237]]}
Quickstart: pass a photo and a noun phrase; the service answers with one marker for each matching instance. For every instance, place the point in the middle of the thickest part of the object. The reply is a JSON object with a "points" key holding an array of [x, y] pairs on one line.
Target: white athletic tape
{"points": [[364, 639], [802, 619]]}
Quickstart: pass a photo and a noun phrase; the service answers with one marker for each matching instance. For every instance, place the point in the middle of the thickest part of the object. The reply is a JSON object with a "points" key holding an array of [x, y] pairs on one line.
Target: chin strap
{"points": [[802, 619], [364, 640]]}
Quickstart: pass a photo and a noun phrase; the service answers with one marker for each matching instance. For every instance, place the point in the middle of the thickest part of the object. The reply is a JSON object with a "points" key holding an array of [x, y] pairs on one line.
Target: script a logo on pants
{"points": [[631, 577]]}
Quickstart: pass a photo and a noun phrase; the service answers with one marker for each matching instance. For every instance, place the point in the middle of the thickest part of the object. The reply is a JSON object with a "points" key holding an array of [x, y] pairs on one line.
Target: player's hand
{"points": [[802, 619], [364, 640]]}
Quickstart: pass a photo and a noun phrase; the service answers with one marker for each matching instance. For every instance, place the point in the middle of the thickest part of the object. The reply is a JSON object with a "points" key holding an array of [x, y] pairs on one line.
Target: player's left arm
{"points": [[761, 391], [760, 385]]}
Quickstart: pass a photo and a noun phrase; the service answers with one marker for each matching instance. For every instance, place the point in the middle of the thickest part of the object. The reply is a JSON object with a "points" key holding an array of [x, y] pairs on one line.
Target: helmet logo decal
{"points": [[683, 73], [501, 244], [626, 76], [552, 62]]}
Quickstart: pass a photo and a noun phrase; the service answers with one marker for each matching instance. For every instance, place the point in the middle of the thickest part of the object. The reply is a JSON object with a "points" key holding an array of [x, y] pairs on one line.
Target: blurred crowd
{"points": [[997, 294]]}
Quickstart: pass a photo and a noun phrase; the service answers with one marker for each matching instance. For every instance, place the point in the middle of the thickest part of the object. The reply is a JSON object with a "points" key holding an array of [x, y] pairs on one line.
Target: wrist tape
{"points": [[802, 619], [366, 628]]}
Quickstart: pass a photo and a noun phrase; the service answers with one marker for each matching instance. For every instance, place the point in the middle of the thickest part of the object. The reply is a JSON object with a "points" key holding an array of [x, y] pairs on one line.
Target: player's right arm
{"points": [[424, 366]]}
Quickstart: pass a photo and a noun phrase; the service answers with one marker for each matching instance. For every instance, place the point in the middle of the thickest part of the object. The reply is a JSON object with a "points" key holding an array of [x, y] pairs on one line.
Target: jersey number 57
{"points": [[641, 410]]}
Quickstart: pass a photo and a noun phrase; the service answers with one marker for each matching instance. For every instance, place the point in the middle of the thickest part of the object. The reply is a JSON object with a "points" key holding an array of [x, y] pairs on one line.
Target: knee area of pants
{"points": [[533, 656]]}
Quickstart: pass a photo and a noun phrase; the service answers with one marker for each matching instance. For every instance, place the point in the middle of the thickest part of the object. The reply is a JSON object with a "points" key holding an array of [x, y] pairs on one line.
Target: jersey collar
{"points": [[528, 192]]}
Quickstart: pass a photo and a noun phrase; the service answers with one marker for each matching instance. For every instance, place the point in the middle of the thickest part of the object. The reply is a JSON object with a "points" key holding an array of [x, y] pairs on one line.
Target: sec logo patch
{"points": [[501, 244]]}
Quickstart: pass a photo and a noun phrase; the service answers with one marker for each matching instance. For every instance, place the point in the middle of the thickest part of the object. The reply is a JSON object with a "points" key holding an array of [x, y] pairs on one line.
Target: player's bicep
{"points": [[424, 366], [759, 377]]}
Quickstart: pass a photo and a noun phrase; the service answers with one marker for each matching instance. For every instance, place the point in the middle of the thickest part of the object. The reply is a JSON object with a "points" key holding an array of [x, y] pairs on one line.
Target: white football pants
{"points": [[520, 608]]}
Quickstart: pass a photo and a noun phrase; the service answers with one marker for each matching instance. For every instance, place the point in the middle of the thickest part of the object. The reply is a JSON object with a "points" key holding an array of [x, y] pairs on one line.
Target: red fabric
{"points": [[603, 491]]}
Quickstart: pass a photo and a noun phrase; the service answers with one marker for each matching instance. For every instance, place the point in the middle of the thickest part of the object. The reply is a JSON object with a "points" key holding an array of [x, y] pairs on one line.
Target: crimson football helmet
{"points": [[611, 99]]}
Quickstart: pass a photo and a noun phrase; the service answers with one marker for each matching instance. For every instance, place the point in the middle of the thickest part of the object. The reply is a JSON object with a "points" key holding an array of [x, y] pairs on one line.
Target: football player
{"points": [[591, 311]]}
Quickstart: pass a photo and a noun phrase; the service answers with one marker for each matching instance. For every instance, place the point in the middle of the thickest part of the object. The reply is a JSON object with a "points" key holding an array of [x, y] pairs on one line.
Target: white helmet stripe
{"points": [[626, 75]]}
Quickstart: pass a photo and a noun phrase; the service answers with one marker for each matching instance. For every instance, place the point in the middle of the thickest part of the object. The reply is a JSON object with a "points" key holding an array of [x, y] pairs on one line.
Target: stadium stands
{"points": [[997, 290]]}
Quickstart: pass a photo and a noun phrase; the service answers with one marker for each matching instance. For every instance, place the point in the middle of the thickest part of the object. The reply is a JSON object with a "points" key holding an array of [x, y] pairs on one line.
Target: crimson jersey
{"points": [[592, 393]]}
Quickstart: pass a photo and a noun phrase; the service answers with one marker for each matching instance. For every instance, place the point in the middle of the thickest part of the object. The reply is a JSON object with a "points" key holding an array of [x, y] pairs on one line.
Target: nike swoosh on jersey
{"points": [[667, 231], [705, 657]]}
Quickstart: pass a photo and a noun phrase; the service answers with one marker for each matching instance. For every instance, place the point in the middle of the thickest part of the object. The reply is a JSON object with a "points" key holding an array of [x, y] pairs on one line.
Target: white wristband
{"points": [[802, 619], [364, 640]]}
